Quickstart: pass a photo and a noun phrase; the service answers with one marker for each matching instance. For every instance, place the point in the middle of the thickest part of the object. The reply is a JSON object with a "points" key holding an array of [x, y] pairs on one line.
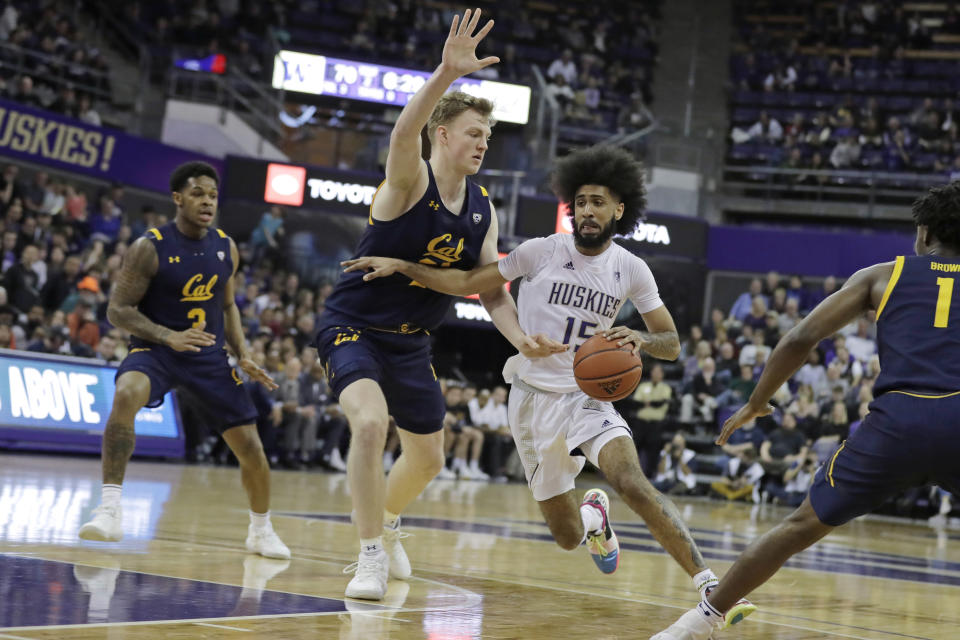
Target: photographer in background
{"points": [[674, 475]]}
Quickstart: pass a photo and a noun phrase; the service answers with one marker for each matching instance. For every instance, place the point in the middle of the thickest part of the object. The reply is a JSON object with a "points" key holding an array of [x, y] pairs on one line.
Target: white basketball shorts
{"points": [[547, 426]]}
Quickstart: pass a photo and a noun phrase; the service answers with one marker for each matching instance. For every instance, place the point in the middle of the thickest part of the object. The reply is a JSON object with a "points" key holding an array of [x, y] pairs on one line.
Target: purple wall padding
{"points": [[808, 253]]}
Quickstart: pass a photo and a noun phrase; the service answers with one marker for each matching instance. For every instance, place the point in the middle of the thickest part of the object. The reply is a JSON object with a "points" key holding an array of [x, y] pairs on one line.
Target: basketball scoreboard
{"points": [[368, 82], [61, 403]]}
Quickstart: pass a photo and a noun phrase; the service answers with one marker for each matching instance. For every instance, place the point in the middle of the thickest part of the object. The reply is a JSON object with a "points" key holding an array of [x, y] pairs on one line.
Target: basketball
{"points": [[606, 371]]}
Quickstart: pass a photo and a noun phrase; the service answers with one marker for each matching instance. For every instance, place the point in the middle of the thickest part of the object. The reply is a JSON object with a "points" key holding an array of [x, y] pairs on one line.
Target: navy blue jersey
{"points": [[918, 327], [428, 233], [189, 284]]}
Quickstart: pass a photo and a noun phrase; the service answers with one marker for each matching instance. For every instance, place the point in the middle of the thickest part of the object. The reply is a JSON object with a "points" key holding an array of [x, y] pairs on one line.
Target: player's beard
{"points": [[594, 241]]}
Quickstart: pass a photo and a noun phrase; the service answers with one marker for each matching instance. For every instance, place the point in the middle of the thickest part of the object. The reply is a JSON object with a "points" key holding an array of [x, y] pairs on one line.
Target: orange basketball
{"points": [[605, 371]]}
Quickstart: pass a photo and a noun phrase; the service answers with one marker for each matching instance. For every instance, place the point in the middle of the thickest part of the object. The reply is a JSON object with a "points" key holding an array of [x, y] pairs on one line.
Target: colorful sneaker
{"points": [[602, 543], [737, 612], [105, 525], [399, 563]]}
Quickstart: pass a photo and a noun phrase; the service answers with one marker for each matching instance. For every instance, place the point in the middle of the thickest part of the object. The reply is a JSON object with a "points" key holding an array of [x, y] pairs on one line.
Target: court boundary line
{"points": [[222, 626]]}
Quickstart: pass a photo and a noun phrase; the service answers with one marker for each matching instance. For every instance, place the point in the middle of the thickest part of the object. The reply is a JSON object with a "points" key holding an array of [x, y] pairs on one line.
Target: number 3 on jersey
{"points": [[199, 317], [584, 327]]}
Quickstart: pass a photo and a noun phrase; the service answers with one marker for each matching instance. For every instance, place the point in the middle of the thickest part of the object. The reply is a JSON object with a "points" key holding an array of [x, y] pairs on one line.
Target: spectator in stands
{"points": [[782, 78], [674, 475], [633, 116], [560, 90], [766, 129], [796, 482], [61, 282], [469, 440], [689, 346], [827, 289], [757, 318], [783, 447], [806, 410], [21, 281], [564, 67], [833, 430], [652, 398], [728, 365], [266, 238], [790, 316], [329, 421], [24, 93], [896, 154], [693, 364], [741, 472], [739, 389], [741, 306], [86, 111], [106, 222], [107, 350], [861, 345], [846, 153], [702, 397], [83, 325]]}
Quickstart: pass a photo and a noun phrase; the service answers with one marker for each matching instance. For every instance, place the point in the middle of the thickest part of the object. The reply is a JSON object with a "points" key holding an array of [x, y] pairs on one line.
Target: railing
{"points": [[134, 49], [868, 188], [233, 91], [26, 61], [547, 107]]}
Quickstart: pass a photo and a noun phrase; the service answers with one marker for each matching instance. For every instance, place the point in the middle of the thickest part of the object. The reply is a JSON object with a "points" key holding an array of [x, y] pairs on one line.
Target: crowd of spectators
{"points": [[581, 48], [773, 458], [46, 62], [858, 85]]}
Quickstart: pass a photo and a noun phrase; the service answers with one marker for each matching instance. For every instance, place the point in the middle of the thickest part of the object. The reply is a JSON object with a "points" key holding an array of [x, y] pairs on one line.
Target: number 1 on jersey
{"points": [[198, 315], [943, 302]]}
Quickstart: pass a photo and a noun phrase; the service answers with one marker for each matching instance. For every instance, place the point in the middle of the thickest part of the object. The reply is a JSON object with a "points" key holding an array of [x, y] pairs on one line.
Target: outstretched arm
{"points": [[862, 291], [405, 169], [503, 310], [453, 282]]}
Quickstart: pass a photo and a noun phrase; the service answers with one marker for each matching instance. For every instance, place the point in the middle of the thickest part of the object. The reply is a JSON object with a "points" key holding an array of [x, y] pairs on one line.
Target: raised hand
{"points": [[460, 49], [377, 267], [193, 339]]}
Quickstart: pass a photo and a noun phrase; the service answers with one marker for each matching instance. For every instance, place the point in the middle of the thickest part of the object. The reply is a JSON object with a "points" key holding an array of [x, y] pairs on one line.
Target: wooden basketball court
{"points": [[484, 566]]}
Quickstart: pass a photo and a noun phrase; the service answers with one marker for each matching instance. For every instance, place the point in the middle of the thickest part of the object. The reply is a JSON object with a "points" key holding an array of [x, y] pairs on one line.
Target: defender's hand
{"points": [[540, 346], [460, 49], [626, 335], [378, 267], [256, 373], [744, 414], [193, 339]]}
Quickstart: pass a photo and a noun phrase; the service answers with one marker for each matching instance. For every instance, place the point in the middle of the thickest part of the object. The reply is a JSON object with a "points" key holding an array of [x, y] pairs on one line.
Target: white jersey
{"points": [[568, 297]]}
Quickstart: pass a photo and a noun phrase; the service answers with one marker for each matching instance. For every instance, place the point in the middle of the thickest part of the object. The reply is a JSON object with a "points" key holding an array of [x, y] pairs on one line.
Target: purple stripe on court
{"points": [[38, 592], [836, 560]]}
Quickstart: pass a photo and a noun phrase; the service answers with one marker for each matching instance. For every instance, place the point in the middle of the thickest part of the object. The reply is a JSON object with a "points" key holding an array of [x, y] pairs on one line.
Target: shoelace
{"points": [[365, 569]]}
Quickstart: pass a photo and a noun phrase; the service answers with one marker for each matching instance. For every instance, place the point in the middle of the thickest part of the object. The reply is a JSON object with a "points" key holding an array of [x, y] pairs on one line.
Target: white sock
{"points": [[592, 518], [704, 579], [110, 494], [390, 520], [260, 520], [371, 546]]}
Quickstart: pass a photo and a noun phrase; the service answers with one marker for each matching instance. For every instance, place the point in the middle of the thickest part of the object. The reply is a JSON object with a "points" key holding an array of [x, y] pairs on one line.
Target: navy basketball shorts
{"points": [[399, 363], [905, 441], [207, 376]]}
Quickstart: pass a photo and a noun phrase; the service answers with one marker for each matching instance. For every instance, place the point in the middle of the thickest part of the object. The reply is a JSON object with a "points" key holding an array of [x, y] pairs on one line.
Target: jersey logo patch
{"points": [[606, 423], [569, 265], [477, 217], [434, 205], [222, 255], [173, 259], [616, 276], [592, 405], [196, 291], [440, 254]]}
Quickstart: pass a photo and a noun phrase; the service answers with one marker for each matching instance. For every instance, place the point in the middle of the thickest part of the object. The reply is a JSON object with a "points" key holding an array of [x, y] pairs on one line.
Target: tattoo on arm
{"points": [[670, 511], [139, 266], [664, 345]]}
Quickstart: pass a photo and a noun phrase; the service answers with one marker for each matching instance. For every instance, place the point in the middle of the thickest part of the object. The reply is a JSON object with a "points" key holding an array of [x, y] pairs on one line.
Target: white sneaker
{"points": [[370, 581], [446, 474], [336, 461], [399, 563], [695, 624], [387, 461], [477, 472], [105, 525], [267, 543]]}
